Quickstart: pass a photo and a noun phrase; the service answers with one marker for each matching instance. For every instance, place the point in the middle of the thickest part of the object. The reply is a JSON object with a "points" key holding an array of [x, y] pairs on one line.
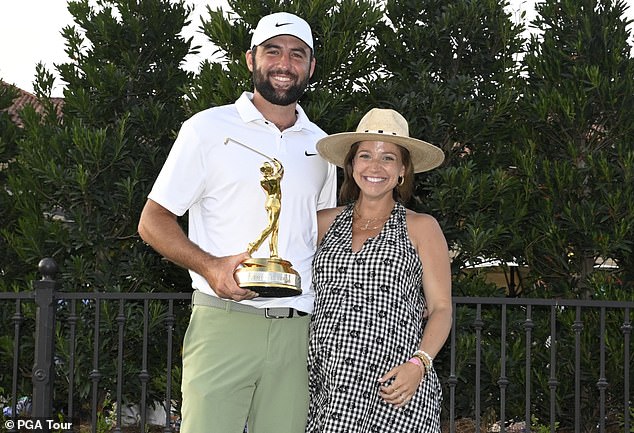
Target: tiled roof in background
{"points": [[25, 98]]}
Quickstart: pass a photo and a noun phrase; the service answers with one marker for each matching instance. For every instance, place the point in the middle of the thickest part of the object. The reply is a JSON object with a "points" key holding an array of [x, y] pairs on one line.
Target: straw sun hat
{"points": [[381, 125]]}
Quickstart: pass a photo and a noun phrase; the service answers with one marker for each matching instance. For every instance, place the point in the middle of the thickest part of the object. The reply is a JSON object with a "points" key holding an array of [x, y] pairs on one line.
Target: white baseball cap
{"points": [[282, 23]]}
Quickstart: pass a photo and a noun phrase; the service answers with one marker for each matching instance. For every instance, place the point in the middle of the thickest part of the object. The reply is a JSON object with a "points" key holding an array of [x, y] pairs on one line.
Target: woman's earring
{"points": [[401, 181]]}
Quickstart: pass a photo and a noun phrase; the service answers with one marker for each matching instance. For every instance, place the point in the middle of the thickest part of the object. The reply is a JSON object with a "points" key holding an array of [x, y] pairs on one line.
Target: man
{"points": [[244, 356]]}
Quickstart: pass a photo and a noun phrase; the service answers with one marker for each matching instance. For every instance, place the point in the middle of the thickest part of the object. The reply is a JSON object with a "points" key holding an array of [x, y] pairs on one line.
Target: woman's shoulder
{"points": [[329, 214], [423, 228], [419, 219], [325, 218]]}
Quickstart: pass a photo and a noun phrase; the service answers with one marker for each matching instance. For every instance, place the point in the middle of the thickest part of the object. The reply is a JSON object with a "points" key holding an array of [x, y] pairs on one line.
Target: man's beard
{"points": [[278, 97]]}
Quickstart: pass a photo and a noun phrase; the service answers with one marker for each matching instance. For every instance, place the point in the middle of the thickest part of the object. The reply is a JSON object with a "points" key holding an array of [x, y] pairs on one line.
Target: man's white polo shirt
{"points": [[219, 184]]}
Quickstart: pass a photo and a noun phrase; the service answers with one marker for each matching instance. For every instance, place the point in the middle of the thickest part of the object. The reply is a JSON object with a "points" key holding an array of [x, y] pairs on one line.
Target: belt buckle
{"points": [[275, 316]]}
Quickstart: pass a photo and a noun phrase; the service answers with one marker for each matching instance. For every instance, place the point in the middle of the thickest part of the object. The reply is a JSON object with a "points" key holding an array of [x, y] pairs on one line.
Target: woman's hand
{"points": [[407, 377]]}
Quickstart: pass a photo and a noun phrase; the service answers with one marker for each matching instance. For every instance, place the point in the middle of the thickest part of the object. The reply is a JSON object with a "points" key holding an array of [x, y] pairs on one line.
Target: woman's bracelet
{"points": [[425, 358], [416, 360]]}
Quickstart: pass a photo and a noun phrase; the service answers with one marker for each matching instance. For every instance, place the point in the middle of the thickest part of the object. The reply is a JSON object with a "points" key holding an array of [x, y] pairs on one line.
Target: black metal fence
{"points": [[77, 360]]}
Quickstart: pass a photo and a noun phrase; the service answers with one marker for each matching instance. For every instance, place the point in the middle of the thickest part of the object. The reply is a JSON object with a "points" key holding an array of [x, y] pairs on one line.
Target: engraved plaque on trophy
{"points": [[271, 277]]}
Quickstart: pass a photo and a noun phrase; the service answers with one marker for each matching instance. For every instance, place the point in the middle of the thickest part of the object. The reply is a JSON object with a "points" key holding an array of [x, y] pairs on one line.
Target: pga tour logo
{"points": [[37, 424]]}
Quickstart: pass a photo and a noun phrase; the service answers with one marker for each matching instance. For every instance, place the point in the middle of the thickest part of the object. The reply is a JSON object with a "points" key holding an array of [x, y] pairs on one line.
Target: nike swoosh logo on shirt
{"points": [[309, 154]]}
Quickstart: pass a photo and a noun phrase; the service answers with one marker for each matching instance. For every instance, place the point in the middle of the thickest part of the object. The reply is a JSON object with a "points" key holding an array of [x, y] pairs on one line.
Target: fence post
{"points": [[43, 373]]}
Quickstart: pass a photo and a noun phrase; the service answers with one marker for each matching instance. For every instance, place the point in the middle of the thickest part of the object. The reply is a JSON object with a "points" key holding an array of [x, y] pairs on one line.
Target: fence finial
{"points": [[48, 268]]}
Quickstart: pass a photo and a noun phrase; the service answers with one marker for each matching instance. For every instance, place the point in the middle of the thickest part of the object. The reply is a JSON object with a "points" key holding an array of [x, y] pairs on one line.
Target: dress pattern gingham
{"points": [[368, 319]]}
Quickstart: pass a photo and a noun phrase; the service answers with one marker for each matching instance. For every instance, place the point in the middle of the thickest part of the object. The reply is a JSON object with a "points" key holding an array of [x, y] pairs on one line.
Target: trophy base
{"points": [[270, 277]]}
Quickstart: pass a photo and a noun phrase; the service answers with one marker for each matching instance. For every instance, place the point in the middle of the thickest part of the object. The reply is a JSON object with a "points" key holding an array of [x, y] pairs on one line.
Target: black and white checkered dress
{"points": [[368, 319]]}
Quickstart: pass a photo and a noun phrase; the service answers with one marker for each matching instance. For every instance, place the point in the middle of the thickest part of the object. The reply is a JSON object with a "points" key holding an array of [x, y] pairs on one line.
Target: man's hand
{"points": [[219, 273]]}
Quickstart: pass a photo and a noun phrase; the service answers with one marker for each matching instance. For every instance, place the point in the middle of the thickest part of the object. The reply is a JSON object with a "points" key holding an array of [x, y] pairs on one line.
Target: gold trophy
{"points": [[271, 277]]}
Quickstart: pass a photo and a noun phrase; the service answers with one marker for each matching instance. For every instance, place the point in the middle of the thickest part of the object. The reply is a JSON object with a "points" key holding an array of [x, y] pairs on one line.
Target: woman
{"points": [[374, 332]]}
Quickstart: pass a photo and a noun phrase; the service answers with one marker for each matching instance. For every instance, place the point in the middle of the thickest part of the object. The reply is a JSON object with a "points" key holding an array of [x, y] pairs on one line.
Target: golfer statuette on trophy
{"points": [[272, 276]]}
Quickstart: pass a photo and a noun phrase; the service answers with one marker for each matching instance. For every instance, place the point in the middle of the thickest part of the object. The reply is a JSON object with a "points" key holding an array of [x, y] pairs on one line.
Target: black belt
{"points": [[200, 298]]}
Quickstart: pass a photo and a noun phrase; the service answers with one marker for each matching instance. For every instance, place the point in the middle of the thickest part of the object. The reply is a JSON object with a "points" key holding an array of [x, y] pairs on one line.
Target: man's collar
{"points": [[249, 113]]}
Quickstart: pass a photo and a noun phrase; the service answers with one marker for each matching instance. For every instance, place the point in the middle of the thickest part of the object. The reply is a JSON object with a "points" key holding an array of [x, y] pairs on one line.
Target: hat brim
{"points": [[425, 156]]}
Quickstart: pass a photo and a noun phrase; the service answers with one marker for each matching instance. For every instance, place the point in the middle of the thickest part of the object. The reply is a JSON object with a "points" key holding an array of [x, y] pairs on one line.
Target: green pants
{"points": [[244, 368]]}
